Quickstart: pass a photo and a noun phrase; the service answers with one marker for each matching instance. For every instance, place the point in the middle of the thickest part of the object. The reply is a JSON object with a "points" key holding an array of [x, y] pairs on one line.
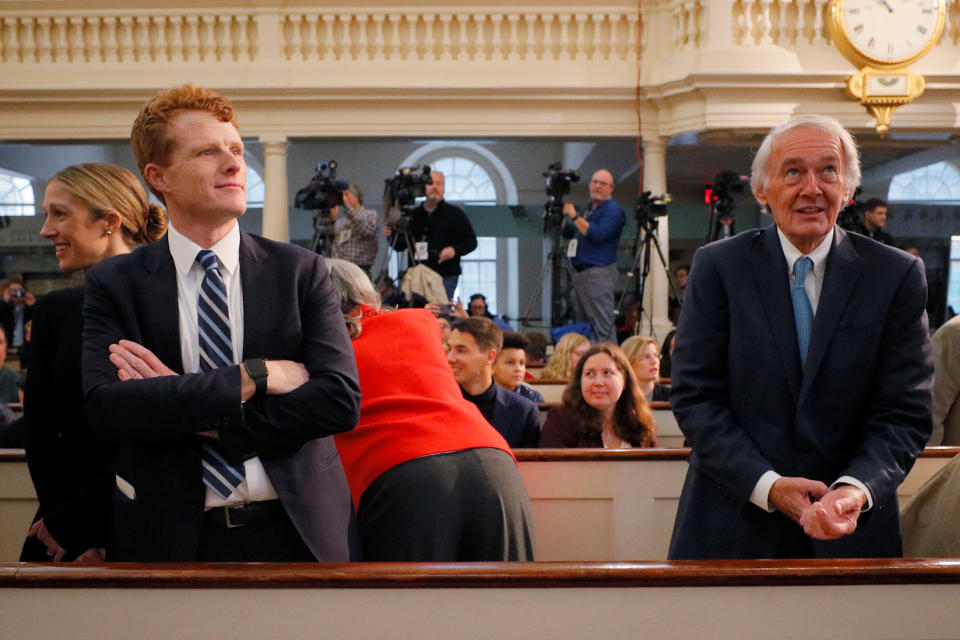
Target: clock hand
{"points": [[884, 3]]}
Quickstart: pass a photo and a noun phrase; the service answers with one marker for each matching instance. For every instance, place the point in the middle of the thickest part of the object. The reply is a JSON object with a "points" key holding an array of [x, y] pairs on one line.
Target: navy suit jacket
{"points": [[291, 311], [860, 407], [515, 417]]}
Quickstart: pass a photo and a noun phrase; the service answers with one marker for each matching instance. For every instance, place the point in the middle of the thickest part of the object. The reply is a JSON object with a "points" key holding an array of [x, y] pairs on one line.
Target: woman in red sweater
{"points": [[430, 478]]}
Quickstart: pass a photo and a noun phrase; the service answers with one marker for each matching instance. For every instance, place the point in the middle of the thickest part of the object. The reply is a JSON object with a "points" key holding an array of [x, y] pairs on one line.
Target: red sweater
{"points": [[411, 405]]}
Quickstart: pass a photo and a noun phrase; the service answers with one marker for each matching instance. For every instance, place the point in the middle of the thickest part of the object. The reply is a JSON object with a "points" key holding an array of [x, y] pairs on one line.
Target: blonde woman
{"points": [[93, 211], [566, 354], [644, 356]]}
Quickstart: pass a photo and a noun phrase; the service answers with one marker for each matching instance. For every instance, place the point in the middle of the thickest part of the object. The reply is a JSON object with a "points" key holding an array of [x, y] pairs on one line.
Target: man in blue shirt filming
{"points": [[593, 251]]}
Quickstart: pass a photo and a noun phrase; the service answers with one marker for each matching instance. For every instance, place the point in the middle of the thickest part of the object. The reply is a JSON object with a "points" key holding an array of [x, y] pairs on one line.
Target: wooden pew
{"points": [[552, 390], [588, 504], [758, 600]]}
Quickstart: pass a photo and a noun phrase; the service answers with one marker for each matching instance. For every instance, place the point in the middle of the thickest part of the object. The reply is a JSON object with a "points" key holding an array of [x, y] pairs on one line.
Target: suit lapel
{"points": [[161, 303], [773, 282], [839, 279], [255, 312]]}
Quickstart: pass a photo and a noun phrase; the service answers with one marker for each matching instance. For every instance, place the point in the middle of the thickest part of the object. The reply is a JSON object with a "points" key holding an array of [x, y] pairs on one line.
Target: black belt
{"points": [[242, 515], [582, 267]]}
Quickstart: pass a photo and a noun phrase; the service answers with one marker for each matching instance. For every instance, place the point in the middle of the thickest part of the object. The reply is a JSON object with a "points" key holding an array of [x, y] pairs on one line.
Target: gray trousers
{"points": [[595, 304], [468, 505]]}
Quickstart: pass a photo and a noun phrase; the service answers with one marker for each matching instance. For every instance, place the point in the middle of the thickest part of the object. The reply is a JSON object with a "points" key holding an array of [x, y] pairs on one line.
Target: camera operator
{"points": [[593, 251], [16, 309], [875, 221], [446, 231], [354, 230]]}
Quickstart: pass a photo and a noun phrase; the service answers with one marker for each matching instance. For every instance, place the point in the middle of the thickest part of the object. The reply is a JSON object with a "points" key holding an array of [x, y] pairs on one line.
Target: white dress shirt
{"points": [[813, 285], [256, 485]]}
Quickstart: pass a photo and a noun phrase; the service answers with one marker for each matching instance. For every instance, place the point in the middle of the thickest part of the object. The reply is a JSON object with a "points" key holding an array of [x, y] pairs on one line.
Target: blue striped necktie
{"points": [[802, 310], [216, 350]]}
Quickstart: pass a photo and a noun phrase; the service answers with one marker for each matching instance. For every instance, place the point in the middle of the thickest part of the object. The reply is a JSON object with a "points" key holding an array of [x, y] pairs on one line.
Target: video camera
{"points": [[649, 207], [324, 191], [401, 191], [558, 186], [726, 185], [851, 216]]}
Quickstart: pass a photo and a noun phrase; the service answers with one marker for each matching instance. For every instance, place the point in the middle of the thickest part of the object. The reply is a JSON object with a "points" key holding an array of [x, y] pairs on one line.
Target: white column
{"points": [[657, 290], [276, 224]]}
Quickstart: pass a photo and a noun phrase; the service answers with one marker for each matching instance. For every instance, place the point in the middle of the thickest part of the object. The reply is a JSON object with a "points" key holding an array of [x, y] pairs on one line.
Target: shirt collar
{"points": [[818, 255], [184, 250]]}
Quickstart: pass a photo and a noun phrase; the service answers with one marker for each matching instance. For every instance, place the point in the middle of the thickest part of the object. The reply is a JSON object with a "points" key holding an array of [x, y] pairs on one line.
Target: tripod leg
{"points": [[535, 296]]}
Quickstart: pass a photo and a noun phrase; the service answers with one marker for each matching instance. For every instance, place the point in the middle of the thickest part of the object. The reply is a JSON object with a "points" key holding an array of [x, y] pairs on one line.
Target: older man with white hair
{"points": [[802, 371]]}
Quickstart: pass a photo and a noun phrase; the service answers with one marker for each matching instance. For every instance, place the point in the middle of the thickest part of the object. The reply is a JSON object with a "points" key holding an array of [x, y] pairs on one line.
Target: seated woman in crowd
{"points": [[602, 406], [93, 211], [510, 367], [431, 480], [566, 354], [644, 356]]}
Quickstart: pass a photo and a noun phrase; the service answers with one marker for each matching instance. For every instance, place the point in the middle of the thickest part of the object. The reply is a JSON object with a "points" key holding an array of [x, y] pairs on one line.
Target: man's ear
{"points": [[760, 195], [155, 177], [491, 356]]}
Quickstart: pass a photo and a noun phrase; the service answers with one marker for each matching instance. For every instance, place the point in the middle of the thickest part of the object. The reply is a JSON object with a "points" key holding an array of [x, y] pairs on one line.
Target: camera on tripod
{"points": [[400, 191], [324, 191], [558, 186], [320, 196], [726, 185], [650, 207]]}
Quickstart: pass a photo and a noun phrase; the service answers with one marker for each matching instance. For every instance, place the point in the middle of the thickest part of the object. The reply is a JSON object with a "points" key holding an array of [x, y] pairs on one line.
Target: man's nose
{"points": [[810, 184], [234, 164]]}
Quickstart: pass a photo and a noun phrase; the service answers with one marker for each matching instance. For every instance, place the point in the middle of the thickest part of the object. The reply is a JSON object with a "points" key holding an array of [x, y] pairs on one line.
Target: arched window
{"points": [[465, 181], [473, 175], [938, 181], [255, 188], [16, 194]]}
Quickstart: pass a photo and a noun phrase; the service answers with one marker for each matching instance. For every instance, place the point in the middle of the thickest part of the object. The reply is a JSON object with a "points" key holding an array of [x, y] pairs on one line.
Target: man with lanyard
{"points": [[593, 251]]}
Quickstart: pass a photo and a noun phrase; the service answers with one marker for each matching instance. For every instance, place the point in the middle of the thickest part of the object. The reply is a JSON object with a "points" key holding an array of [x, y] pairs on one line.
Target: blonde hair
{"points": [[559, 367], [634, 346], [104, 187]]}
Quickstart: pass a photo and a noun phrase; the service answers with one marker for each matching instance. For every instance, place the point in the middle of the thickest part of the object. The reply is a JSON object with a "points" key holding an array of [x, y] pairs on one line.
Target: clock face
{"points": [[890, 32]]}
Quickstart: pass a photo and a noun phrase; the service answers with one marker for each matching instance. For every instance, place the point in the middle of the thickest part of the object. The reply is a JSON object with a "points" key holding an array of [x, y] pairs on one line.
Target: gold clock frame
{"points": [[909, 85], [840, 39]]}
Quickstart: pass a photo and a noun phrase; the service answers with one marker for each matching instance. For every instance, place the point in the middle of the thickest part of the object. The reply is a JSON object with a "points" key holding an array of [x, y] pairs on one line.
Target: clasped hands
{"points": [[134, 362], [824, 513]]}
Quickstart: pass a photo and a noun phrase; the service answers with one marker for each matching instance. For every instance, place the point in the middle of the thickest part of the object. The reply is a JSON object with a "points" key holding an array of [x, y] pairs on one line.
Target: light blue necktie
{"points": [[802, 311], [216, 350]]}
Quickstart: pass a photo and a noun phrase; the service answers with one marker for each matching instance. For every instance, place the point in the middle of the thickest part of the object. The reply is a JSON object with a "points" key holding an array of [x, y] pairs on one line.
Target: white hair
{"points": [[353, 288], [760, 172]]}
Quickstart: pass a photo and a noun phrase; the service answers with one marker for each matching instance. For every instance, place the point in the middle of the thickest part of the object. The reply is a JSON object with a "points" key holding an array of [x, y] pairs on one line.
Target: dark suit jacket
{"points": [[290, 312], [861, 406], [72, 469], [515, 417]]}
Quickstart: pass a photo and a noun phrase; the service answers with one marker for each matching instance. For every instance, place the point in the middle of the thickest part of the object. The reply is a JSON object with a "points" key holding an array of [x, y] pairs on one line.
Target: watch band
{"points": [[257, 370]]}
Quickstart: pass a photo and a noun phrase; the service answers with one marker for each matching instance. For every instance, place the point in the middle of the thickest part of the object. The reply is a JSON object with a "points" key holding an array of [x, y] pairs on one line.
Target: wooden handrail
{"points": [[568, 455], [484, 575], [579, 455]]}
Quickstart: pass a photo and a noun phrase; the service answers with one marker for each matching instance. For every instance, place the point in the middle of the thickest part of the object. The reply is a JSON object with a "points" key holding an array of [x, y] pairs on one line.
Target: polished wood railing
{"points": [[540, 575]]}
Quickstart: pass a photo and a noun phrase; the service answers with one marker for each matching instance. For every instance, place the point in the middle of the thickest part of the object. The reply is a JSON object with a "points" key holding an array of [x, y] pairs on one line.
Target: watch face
{"points": [[891, 32]]}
